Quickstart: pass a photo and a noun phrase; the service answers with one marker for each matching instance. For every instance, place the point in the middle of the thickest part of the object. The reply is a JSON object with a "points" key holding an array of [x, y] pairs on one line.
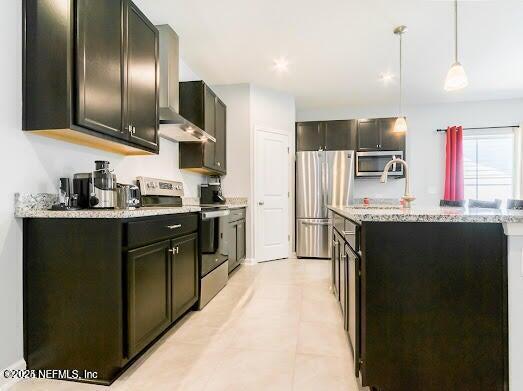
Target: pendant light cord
{"points": [[456, 30], [401, 75]]}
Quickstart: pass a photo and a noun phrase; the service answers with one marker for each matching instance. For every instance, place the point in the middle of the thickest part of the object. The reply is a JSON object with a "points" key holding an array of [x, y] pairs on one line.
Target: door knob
{"points": [[261, 203]]}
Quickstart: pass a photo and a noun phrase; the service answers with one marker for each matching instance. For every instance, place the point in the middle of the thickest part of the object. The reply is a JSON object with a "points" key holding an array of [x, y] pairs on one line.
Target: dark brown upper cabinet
{"points": [[326, 135], [378, 135], [340, 135], [309, 136], [100, 67], [91, 75], [200, 105]]}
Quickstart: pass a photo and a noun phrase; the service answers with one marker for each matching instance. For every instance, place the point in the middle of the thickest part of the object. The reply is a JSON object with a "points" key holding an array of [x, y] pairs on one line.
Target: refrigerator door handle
{"points": [[315, 223], [325, 179]]}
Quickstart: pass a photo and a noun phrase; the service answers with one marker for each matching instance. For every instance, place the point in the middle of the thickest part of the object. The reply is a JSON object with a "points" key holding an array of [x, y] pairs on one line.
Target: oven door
{"points": [[372, 164], [212, 244]]}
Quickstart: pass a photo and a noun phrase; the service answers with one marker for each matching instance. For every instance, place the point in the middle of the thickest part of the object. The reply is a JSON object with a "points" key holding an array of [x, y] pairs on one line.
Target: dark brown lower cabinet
{"points": [[184, 274], [98, 292], [236, 238], [148, 293]]}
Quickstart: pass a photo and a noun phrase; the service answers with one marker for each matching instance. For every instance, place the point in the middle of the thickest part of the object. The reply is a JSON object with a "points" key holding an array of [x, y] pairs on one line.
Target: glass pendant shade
{"points": [[456, 78], [401, 125]]}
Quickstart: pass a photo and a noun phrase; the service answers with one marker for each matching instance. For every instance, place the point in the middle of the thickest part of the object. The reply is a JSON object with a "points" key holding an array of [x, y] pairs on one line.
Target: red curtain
{"points": [[454, 164]]}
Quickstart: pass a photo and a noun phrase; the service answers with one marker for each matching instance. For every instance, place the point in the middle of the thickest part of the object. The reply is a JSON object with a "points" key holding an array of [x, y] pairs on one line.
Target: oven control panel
{"points": [[159, 187]]}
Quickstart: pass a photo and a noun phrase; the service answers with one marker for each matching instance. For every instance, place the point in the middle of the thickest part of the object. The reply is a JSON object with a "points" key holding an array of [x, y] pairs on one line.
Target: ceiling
{"points": [[337, 49]]}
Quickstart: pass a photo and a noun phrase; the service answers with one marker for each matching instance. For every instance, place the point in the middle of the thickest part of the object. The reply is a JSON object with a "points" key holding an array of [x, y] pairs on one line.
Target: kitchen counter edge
{"points": [[110, 213], [429, 215]]}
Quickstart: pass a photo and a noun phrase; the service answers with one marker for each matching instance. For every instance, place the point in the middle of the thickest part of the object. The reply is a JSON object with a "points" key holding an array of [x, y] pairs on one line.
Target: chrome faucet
{"points": [[407, 197]]}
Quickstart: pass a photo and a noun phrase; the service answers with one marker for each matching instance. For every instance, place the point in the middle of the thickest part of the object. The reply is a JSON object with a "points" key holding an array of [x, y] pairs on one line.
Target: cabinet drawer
{"points": [[237, 214], [149, 231]]}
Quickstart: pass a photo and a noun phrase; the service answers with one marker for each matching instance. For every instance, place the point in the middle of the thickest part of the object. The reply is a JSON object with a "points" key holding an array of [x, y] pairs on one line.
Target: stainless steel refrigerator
{"points": [[322, 178]]}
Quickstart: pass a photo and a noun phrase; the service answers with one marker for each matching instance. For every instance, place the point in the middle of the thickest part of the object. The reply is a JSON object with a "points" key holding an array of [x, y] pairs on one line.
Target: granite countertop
{"points": [[37, 206], [389, 213]]}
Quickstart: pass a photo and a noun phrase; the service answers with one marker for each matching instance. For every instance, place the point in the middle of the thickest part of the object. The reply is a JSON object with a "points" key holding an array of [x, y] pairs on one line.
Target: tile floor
{"points": [[276, 326]]}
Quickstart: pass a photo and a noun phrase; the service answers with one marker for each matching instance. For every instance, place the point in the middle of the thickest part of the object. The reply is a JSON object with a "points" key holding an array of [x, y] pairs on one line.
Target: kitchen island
{"points": [[431, 296]]}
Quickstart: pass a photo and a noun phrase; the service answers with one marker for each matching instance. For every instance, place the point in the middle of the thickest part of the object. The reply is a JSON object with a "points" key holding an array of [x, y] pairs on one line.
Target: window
{"points": [[488, 160]]}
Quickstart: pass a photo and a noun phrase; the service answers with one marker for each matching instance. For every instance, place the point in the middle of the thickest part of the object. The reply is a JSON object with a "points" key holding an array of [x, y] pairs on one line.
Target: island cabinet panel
{"points": [[434, 306]]}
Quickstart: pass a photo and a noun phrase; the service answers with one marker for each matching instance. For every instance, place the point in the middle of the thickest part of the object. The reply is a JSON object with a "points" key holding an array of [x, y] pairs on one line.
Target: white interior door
{"points": [[271, 184]]}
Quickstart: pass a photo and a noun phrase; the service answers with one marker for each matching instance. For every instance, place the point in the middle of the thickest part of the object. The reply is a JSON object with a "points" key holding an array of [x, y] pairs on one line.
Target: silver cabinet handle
{"points": [[174, 226], [219, 164], [349, 232], [175, 250]]}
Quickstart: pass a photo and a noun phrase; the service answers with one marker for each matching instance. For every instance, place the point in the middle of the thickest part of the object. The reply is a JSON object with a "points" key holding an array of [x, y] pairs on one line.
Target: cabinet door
{"points": [[310, 136], [184, 274], [221, 136], [337, 258], [142, 79], [240, 240], [369, 134], [353, 305], [232, 245], [99, 70], [343, 283], [148, 294], [339, 135], [209, 106], [390, 141]]}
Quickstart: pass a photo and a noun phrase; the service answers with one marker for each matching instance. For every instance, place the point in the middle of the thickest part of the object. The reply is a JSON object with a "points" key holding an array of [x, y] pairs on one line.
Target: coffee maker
{"points": [[96, 189], [211, 193]]}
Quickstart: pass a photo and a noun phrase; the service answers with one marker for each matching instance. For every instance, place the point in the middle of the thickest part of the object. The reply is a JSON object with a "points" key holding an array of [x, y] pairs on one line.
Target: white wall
{"points": [[248, 107], [237, 99], [33, 164], [425, 146]]}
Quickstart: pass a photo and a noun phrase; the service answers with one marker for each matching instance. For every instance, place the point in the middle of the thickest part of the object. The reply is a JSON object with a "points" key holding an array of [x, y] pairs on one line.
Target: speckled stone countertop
{"points": [[389, 213], [37, 206]]}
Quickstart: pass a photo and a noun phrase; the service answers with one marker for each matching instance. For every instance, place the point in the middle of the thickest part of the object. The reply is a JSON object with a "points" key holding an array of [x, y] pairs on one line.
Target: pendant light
{"points": [[456, 77], [401, 123]]}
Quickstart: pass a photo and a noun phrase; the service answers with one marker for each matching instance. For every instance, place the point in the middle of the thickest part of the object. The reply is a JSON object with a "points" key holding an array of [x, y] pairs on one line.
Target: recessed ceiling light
{"points": [[386, 77], [281, 65]]}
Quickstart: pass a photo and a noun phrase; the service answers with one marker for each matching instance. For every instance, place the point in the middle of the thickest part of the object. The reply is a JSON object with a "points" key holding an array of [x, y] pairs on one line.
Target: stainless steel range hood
{"points": [[172, 125]]}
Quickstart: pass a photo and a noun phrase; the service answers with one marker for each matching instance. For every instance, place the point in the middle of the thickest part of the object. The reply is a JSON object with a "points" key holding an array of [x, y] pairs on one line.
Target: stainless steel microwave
{"points": [[371, 164]]}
